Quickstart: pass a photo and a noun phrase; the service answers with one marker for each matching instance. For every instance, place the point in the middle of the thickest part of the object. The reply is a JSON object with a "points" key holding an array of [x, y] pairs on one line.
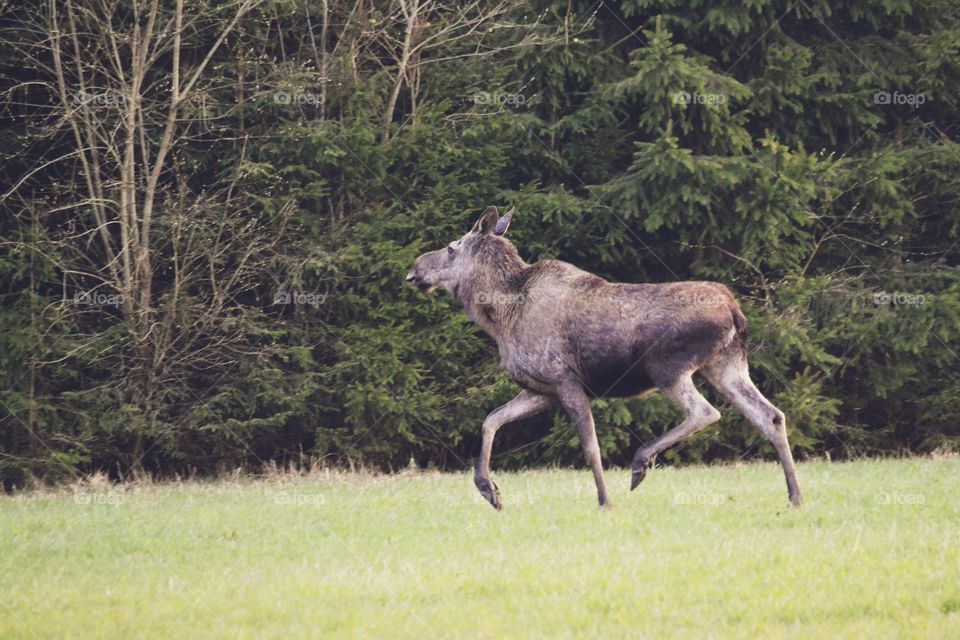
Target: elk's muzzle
{"points": [[414, 279]]}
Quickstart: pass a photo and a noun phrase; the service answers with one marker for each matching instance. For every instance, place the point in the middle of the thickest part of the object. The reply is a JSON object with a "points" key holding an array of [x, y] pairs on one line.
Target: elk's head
{"points": [[454, 265]]}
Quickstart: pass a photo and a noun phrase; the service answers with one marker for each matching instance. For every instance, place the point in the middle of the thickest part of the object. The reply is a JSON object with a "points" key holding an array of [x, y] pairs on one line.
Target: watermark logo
{"points": [[898, 298], [299, 499], [508, 99], [697, 498], [98, 99], [699, 297], [497, 298], [98, 298], [300, 297], [97, 498], [297, 97], [685, 97], [898, 498], [911, 99]]}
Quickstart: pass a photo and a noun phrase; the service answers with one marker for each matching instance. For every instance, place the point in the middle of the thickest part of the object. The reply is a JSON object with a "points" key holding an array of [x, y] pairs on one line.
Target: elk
{"points": [[565, 336]]}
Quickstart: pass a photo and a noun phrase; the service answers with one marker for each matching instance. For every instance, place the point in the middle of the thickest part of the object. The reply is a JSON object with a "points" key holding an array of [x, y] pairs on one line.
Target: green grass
{"points": [[694, 552]]}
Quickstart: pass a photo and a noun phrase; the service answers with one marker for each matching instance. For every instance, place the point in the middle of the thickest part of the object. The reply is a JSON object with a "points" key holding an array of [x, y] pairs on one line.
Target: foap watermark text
{"points": [[300, 297]]}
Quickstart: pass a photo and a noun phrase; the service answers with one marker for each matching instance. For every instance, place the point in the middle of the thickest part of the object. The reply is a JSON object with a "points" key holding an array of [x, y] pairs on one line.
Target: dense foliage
{"points": [[805, 153]]}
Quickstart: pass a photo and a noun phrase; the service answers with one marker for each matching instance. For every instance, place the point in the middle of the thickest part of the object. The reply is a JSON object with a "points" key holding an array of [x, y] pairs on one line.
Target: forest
{"points": [[207, 211]]}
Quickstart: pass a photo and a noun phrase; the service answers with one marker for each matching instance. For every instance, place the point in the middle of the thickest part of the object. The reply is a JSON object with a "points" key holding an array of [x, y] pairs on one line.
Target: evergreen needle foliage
{"points": [[234, 295]]}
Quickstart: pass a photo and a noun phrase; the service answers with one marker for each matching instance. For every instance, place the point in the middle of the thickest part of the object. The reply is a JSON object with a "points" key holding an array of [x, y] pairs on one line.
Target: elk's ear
{"points": [[504, 223], [487, 221]]}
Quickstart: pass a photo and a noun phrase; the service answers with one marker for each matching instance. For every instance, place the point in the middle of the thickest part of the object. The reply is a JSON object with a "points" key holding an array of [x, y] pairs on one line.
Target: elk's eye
{"points": [[450, 251]]}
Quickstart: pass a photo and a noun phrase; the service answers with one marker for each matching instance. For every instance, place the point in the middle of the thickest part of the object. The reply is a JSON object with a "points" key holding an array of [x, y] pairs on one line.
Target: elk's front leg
{"points": [[577, 405], [523, 406]]}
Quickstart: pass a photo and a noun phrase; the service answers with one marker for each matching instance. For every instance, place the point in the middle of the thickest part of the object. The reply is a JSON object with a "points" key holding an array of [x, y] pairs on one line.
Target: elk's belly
{"points": [[621, 379], [613, 371], [609, 373]]}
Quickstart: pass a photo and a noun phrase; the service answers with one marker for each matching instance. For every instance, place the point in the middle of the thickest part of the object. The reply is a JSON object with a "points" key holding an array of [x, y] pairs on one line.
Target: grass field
{"points": [[694, 552]]}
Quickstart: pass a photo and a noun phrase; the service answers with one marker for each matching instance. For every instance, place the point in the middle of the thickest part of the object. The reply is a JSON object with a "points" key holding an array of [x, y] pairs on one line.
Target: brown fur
{"points": [[566, 335]]}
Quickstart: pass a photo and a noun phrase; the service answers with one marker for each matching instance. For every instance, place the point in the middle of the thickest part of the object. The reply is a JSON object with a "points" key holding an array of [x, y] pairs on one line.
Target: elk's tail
{"points": [[740, 324]]}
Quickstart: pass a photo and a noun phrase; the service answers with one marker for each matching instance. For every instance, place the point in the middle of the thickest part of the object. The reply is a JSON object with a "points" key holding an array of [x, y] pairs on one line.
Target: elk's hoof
{"points": [[641, 464], [490, 491]]}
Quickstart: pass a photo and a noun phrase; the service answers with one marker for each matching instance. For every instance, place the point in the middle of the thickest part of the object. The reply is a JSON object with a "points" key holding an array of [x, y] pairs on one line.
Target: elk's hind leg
{"points": [[699, 414], [729, 374]]}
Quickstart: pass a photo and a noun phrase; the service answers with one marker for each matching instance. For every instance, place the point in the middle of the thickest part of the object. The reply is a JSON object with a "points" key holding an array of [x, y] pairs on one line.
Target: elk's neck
{"points": [[493, 298]]}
